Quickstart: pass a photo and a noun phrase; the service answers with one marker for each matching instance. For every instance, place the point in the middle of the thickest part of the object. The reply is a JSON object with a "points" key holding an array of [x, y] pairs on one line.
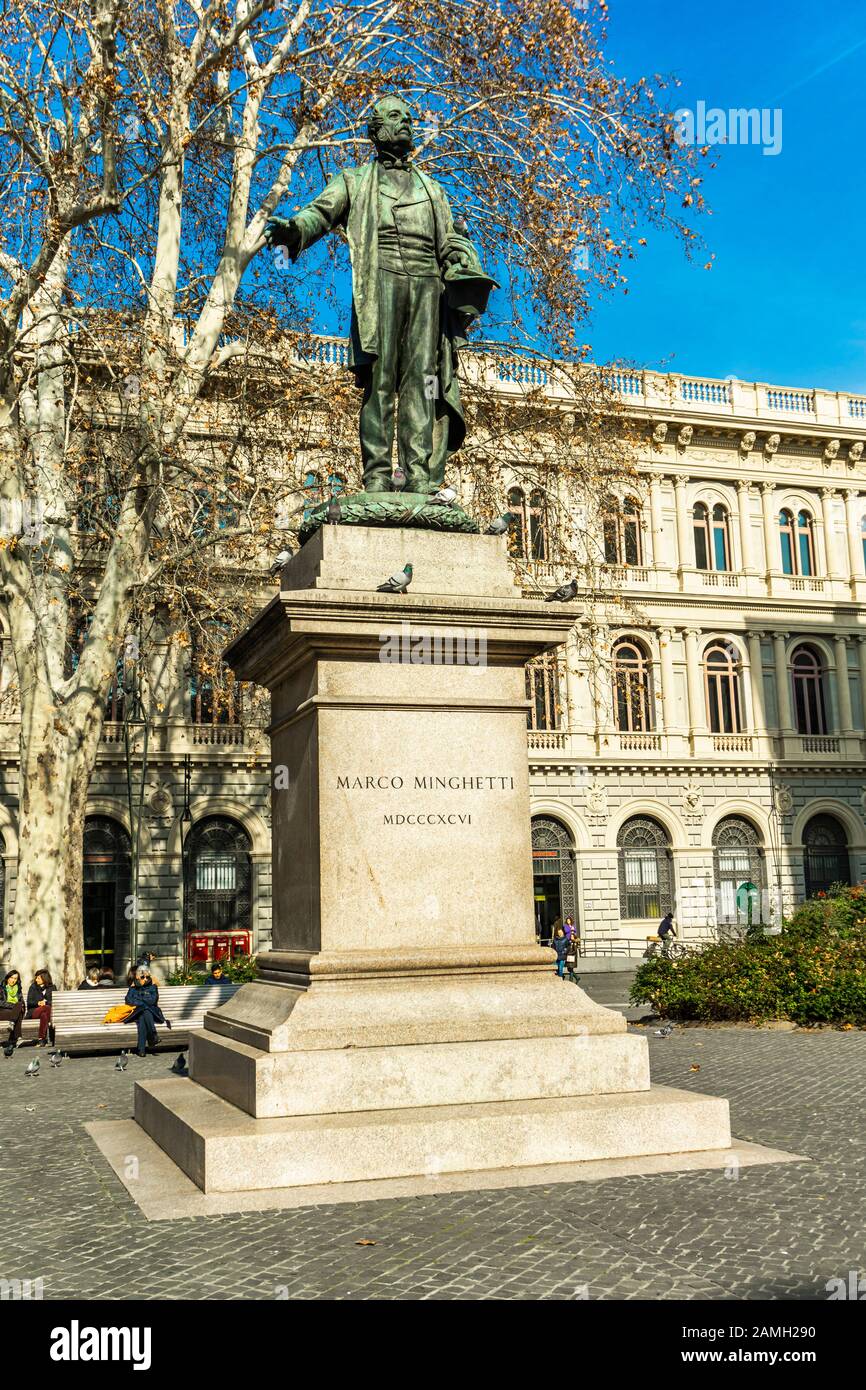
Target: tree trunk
{"points": [[46, 927]]}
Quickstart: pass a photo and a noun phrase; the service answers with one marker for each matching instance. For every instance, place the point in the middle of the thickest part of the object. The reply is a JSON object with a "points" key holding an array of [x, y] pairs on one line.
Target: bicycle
{"points": [[668, 950]]}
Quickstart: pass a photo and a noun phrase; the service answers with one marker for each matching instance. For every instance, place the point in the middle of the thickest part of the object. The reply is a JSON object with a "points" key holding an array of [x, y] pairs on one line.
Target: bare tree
{"points": [[155, 411]]}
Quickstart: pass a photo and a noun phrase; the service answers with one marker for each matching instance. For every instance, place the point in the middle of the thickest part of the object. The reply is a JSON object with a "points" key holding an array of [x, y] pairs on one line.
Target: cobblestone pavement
{"points": [[779, 1232]]}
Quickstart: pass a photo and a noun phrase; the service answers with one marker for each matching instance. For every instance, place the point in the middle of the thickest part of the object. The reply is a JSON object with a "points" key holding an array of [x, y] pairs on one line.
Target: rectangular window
{"points": [[787, 554], [805, 554]]}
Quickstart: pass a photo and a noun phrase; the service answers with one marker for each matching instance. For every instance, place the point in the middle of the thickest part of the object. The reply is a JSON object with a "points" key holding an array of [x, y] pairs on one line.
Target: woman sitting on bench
{"points": [[39, 1004], [143, 995]]}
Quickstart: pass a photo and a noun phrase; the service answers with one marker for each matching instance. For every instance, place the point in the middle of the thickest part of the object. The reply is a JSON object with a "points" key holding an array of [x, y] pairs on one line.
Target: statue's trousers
{"points": [[406, 367]]}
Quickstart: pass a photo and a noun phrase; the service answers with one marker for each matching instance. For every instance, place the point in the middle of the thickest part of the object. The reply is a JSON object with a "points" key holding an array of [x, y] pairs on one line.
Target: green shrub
{"points": [[813, 972], [239, 971]]}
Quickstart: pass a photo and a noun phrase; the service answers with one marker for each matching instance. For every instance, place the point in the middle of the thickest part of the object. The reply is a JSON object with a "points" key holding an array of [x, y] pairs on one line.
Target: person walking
{"points": [[12, 1008], [39, 997], [666, 931], [561, 946], [143, 995]]}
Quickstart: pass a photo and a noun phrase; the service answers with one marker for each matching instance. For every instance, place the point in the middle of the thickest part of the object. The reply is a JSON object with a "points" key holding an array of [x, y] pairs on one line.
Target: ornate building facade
{"points": [[699, 746], [709, 760]]}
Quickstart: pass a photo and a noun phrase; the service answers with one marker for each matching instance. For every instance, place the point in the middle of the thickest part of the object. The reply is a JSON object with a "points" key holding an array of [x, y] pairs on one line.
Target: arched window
{"points": [[215, 696], [623, 538], [703, 549], [645, 879], [740, 871], [797, 542], [123, 684], [219, 897], [529, 531], [538, 525], [312, 492], [105, 893], [826, 858], [632, 700], [786, 540], [544, 691], [807, 674], [517, 528], [805, 543], [554, 884], [722, 684], [712, 541]]}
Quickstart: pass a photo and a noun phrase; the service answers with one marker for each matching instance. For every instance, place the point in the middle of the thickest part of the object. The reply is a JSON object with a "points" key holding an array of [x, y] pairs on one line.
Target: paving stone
{"points": [[777, 1233]]}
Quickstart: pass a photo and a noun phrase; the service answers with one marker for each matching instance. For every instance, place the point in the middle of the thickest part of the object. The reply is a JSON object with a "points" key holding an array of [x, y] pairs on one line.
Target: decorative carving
{"points": [[784, 800], [160, 799], [660, 433], [693, 803], [771, 444], [831, 449], [747, 443], [684, 438], [855, 452], [596, 801]]}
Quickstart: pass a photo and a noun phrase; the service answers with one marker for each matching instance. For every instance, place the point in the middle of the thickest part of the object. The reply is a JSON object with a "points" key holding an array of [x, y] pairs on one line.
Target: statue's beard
{"points": [[398, 145]]}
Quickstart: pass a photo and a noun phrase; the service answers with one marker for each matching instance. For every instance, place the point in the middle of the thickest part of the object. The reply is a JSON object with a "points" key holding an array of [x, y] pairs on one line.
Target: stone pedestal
{"points": [[405, 1021]]}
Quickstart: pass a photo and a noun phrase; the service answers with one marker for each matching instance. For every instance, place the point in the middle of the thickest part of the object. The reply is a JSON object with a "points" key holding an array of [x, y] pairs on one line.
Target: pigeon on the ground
{"points": [[500, 525], [398, 583], [335, 512], [564, 594], [282, 559], [444, 497], [32, 1068], [55, 1058], [179, 1066], [122, 1062], [398, 480], [663, 1032]]}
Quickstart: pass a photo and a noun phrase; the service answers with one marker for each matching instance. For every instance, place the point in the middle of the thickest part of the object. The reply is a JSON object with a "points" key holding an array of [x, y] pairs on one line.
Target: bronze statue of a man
{"points": [[416, 285]]}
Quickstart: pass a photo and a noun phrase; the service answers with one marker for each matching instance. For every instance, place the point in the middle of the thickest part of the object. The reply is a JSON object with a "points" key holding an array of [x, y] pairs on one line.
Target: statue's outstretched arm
{"points": [[324, 214]]}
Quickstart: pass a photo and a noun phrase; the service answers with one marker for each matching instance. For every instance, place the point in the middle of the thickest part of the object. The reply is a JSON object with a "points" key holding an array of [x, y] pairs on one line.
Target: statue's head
{"points": [[390, 125]]}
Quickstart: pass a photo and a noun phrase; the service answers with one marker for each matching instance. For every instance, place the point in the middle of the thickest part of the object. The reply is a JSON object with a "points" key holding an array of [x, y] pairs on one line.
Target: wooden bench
{"points": [[77, 1017]]}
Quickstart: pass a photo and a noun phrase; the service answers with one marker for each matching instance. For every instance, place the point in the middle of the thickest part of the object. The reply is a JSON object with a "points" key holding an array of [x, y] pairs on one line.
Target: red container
{"points": [[240, 943], [198, 948], [221, 946]]}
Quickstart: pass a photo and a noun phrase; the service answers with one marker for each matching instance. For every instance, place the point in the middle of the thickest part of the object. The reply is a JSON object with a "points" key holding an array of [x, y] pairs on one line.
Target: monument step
{"points": [[222, 1149], [337, 1080]]}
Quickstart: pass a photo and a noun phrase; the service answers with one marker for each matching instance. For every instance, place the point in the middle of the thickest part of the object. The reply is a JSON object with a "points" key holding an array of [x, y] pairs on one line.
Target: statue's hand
{"points": [[283, 231], [460, 251]]}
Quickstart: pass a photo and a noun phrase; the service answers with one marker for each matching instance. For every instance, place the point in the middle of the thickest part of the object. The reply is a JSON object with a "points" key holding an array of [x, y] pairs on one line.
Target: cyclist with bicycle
{"points": [[666, 931]]}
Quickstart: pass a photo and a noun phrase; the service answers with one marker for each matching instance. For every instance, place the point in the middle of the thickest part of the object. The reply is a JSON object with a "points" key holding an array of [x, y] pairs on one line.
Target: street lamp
{"points": [[185, 828]]}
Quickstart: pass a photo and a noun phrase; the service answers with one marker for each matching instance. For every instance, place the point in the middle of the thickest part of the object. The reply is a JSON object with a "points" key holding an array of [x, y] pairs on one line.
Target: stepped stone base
{"points": [[223, 1150]]}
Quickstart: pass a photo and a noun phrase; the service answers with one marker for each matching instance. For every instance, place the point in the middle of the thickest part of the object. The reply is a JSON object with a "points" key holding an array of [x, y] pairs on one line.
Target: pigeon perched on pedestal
{"points": [[398, 480], [444, 497], [335, 512], [282, 559], [501, 524], [564, 594], [397, 583]]}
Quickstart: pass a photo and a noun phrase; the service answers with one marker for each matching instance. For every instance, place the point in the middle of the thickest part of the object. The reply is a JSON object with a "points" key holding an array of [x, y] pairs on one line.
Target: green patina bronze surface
{"points": [[391, 509], [417, 284]]}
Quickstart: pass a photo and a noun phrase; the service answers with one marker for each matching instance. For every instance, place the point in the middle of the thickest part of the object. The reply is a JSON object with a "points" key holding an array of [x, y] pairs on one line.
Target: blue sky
{"points": [[785, 300]]}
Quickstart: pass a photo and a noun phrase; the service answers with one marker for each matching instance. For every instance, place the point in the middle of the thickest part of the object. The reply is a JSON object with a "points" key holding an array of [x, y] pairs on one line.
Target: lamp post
{"points": [[185, 827]]}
